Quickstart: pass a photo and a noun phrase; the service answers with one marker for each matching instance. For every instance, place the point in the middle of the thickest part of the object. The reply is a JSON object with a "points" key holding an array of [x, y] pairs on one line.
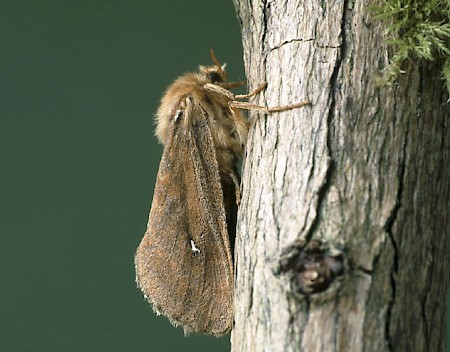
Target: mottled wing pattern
{"points": [[187, 234]]}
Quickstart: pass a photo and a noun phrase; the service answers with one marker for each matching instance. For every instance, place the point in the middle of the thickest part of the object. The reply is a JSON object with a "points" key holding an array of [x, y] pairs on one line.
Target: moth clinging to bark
{"points": [[184, 262]]}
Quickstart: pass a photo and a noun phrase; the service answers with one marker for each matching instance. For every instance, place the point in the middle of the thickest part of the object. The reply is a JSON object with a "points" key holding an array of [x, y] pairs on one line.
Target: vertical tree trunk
{"points": [[365, 170]]}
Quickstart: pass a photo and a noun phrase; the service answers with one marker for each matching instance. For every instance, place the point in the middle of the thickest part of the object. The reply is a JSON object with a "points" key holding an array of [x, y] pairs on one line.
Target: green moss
{"points": [[416, 29]]}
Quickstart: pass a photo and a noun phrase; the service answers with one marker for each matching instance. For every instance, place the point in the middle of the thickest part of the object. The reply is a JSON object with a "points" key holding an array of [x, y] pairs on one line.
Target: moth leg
{"points": [[256, 91], [248, 106], [240, 123], [289, 107], [234, 105], [216, 89]]}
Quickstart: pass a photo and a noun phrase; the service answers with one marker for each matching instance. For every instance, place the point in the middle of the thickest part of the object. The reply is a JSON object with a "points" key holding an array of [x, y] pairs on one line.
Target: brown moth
{"points": [[184, 262]]}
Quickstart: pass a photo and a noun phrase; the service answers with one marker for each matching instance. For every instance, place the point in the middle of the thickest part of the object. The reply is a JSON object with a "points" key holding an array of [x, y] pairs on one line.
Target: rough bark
{"points": [[365, 170]]}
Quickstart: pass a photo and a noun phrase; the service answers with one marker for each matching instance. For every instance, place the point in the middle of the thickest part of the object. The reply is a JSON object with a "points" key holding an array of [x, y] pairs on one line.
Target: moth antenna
{"points": [[217, 63]]}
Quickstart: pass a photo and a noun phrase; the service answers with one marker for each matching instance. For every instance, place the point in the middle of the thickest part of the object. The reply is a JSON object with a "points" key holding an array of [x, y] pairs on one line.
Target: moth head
{"points": [[214, 74]]}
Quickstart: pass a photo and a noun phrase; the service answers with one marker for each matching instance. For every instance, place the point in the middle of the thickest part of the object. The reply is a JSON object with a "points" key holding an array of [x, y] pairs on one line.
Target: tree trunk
{"points": [[361, 178]]}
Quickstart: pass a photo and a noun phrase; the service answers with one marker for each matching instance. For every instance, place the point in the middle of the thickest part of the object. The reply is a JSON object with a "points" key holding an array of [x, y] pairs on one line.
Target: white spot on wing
{"points": [[194, 248]]}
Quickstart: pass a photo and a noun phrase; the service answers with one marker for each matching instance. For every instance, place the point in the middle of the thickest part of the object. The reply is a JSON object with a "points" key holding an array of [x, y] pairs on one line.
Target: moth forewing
{"points": [[193, 289]]}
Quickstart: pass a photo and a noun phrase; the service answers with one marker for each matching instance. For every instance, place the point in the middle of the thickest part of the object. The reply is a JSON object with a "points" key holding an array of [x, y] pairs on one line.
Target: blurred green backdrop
{"points": [[80, 82]]}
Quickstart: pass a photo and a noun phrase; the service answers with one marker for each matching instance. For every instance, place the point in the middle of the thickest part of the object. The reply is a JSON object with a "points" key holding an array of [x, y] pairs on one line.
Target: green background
{"points": [[80, 82]]}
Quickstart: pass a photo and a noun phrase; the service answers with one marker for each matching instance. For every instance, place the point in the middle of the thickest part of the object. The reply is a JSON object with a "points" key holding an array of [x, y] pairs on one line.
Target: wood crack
{"points": [[388, 228], [295, 40]]}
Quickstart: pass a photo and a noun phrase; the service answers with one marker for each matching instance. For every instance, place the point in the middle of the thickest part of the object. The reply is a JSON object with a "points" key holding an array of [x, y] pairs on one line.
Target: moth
{"points": [[184, 263]]}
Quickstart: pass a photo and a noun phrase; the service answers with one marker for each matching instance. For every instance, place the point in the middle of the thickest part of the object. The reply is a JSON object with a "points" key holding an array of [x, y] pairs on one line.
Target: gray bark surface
{"points": [[365, 170]]}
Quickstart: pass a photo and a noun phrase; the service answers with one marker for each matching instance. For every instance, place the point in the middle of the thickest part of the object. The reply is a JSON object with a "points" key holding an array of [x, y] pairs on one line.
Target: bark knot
{"points": [[313, 269]]}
